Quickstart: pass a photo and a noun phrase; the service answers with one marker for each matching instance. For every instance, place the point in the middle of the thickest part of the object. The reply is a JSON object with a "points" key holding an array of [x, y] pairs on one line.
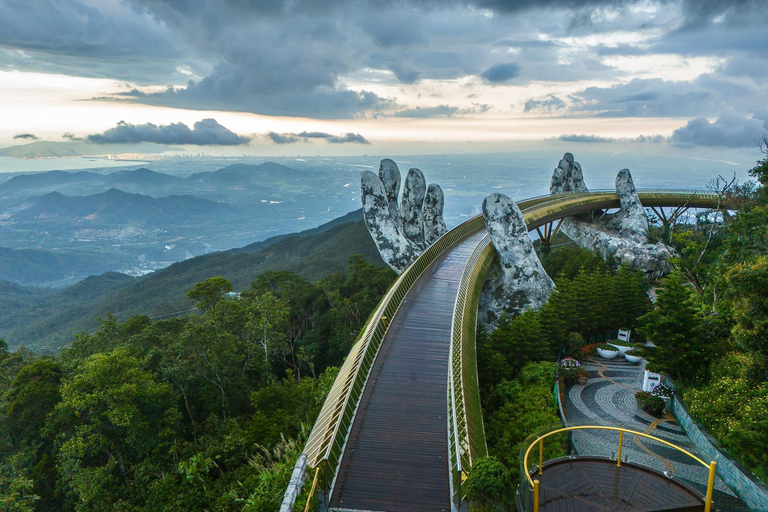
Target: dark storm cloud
{"points": [[321, 103], [730, 130], [585, 138], [87, 39], [295, 57], [596, 139], [292, 138], [707, 95], [404, 73], [207, 132], [72, 137], [549, 103], [501, 73], [28, 136], [282, 138]]}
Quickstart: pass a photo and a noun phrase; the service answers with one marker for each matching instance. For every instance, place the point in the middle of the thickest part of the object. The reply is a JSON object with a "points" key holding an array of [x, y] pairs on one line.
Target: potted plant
{"points": [[650, 403], [633, 358], [665, 393], [607, 351], [622, 346]]}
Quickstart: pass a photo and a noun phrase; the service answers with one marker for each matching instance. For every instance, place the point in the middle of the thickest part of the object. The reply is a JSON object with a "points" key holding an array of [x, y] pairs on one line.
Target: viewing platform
{"points": [[597, 484], [592, 484]]}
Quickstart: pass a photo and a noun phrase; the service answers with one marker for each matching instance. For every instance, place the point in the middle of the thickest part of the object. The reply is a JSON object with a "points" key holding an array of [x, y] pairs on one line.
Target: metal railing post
{"points": [[527, 473], [541, 456], [710, 486], [312, 492], [621, 442], [535, 496]]}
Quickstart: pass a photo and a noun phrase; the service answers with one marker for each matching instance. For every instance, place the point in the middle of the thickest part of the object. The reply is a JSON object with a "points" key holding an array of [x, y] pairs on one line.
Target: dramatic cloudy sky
{"points": [[266, 75]]}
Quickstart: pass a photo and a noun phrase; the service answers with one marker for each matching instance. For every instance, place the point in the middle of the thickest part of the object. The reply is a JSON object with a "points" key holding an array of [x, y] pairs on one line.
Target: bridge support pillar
{"points": [[546, 235]]}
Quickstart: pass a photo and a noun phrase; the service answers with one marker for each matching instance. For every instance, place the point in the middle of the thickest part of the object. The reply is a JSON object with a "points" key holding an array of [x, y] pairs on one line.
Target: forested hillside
{"points": [[195, 413], [51, 320], [711, 323]]}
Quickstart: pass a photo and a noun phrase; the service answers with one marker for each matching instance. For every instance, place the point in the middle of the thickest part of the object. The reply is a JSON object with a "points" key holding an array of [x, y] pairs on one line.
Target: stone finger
{"points": [[389, 174], [410, 208], [383, 227], [434, 225]]}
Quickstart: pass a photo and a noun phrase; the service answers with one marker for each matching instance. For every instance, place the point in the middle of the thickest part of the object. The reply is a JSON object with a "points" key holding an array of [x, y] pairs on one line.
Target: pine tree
{"points": [[675, 328]]}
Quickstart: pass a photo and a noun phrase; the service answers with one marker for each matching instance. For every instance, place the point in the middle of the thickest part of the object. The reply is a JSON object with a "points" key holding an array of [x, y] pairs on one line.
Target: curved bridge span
{"points": [[403, 421]]}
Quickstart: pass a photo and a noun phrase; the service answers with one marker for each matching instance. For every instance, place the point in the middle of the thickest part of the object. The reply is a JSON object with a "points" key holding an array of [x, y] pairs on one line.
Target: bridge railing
{"points": [[328, 437], [529, 493], [466, 435]]}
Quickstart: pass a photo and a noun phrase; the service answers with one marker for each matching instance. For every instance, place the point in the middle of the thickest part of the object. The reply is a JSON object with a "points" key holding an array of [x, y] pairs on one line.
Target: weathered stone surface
{"points": [[434, 225], [622, 236], [522, 282], [389, 174], [384, 227], [567, 177], [630, 221], [401, 231], [652, 260], [410, 209]]}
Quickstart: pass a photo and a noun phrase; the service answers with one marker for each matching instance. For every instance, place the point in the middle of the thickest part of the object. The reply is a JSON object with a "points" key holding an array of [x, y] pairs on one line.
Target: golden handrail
{"points": [[540, 440]]}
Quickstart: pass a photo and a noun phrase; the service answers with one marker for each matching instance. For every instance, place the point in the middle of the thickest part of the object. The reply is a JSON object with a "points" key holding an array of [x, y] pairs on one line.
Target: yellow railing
{"points": [[466, 432], [329, 434], [534, 484], [326, 441]]}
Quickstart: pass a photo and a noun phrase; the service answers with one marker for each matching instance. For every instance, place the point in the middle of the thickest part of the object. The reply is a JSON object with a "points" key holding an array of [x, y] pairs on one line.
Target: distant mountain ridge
{"points": [[35, 267], [51, 319], [116, 207], [245, 177], [50, 149]]}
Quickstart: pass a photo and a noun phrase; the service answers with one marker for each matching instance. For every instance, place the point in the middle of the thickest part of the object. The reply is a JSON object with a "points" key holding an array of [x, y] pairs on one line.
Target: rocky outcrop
{"points": [[401, 231], [522, 282], [434, 225], [623, 235]]}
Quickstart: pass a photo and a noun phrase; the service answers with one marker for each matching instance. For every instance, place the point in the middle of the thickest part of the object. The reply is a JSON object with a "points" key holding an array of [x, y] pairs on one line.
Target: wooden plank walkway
{"points": [[396, 457], [594, 484]]}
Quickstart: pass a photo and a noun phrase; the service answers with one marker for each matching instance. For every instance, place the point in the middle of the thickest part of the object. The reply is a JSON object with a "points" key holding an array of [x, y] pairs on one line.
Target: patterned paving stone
{"points": [[610, 400]]}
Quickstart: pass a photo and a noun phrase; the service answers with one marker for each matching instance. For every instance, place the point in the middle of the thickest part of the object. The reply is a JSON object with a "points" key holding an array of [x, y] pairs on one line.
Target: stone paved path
{"points": [[608, 398]]}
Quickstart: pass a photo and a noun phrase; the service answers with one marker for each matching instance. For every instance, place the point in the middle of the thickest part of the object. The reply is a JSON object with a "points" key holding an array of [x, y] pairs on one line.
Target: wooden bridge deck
{"points": [[596, 484], [396, 458]]}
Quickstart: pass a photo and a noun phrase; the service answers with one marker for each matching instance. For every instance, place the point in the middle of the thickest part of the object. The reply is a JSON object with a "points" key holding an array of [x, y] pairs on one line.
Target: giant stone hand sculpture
{"points": [[401, 232], [622, 236], [522, 282]]}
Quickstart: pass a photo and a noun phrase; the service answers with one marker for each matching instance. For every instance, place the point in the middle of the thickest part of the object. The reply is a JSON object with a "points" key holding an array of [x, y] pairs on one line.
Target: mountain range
{"points": [[50, 149], [138, 220], [48, 319]]}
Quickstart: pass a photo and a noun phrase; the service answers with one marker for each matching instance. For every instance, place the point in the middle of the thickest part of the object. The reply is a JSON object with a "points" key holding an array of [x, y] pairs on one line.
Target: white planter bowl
{"points": [[607, 354], [622, 350], [632, 358]]}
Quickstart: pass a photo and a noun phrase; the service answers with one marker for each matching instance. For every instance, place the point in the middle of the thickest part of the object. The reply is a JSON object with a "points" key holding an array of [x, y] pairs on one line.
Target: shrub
{"points": [[588, 350], [617, 342], [488, 485], [608, 347], [571, 370], [651, 404], [663, 391], [574, 344], [733, 410]]}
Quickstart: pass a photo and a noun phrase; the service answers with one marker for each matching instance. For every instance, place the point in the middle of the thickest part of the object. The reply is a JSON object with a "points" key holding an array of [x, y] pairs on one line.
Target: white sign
{"points": [[650, 380]]}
